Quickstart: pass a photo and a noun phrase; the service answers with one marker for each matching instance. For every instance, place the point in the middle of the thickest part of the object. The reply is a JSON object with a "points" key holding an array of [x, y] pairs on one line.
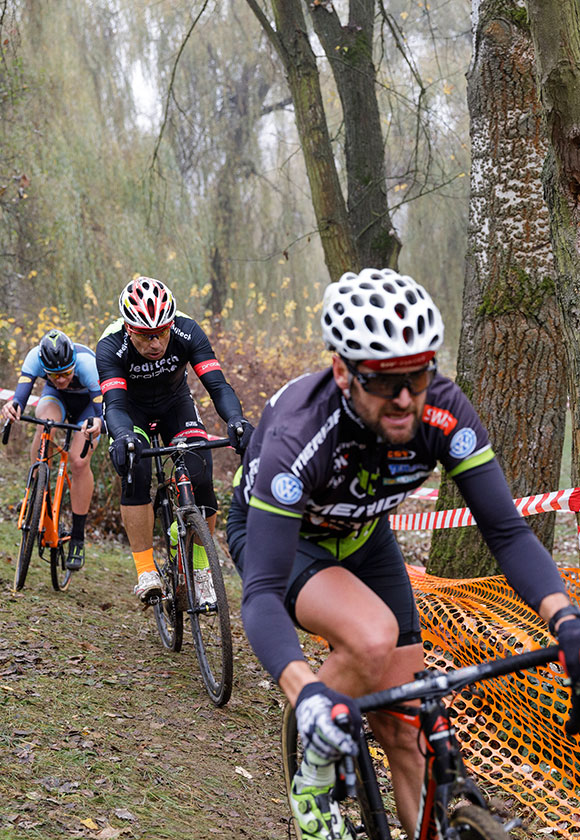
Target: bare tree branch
{"points": [[170, 94]]}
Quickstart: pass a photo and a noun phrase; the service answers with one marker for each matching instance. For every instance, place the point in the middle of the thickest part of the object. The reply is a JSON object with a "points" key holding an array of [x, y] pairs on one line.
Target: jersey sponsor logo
{"points": [[350, 513], [22, 379], [249, 476], [440, 418], [180, 333], [116, 382], [463, 443], [123, 348], [400, 454], [364, 484], [286, 488], [159, 367], [207, 366], [397, 469], [315, 443], [341, 454], [408, 478]]}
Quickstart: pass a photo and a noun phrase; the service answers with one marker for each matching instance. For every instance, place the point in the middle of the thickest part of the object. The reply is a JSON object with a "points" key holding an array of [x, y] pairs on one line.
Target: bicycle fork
{"points": [[445, 775]]}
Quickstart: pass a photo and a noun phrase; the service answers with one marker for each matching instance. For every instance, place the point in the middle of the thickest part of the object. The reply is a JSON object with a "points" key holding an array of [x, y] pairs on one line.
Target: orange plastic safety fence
{"points": [[511, 728]]}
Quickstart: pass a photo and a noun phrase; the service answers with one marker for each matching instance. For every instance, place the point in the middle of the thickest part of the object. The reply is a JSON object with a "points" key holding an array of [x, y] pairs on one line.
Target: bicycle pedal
{"points": [[514, 823]]}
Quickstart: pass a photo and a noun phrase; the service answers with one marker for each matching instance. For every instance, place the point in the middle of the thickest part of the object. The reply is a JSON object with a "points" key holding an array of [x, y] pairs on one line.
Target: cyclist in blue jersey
{"points": [[309, 532], [72, 394]]}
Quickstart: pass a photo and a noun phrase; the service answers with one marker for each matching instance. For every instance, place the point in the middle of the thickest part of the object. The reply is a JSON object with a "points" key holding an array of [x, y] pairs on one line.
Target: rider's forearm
{"points": [[524, 561], [118, 420], [271, 543], [23, 389], [97, 402], [271, 632], [550, 606], [293, 679], [222, 394]]}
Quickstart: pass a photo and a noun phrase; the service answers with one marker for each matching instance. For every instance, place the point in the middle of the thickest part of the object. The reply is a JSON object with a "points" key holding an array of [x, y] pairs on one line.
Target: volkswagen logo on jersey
{"points": [[463, 443], [286, 488]]}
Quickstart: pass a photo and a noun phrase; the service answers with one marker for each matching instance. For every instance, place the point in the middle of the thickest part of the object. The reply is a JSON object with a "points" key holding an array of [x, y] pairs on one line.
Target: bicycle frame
{"points": [[445, 775], [48, 531]]}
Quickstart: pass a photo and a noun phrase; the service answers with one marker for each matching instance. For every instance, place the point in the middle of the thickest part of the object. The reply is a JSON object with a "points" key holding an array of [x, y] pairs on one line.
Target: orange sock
{"points": [[144, 561]]}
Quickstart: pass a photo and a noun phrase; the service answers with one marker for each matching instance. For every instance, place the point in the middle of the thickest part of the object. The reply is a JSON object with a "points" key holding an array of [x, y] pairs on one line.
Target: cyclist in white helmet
{"points": [[308, 528]]}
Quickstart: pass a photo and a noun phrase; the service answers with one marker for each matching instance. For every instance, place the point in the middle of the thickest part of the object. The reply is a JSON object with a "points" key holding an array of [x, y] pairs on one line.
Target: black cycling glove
{"points": [[239, 433], [569, 641], [119, 451]]}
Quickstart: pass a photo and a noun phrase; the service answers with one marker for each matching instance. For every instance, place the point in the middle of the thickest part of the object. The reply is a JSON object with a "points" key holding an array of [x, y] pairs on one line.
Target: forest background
{"points": [[167, 139]]}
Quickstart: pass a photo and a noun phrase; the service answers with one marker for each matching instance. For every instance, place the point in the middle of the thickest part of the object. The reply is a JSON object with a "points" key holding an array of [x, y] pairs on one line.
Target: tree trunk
{"points": [[555, 26], [293, 46], [511, 360], [350, 52]]}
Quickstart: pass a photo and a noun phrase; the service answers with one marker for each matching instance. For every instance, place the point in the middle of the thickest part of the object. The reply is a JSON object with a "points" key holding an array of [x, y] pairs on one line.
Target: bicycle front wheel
{"points": [[169, 610], [59, 574], [474, 823], [359, 815], [31, 523], [211, 626]]}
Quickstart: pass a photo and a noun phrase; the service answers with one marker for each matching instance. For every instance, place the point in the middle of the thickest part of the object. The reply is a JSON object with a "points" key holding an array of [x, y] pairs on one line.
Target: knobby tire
{"points": [[59, 574], [31, 524], [211, 631], [358, 812], [169, 611], [475, 823]]}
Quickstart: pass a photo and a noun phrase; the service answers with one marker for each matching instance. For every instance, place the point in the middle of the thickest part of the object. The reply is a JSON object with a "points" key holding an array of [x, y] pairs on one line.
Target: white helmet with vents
{"points": [[382, 316]]}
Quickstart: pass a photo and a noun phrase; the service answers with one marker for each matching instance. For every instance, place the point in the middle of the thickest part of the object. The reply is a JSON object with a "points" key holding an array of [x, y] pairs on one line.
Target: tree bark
{"points": [[511, 359], [290, 38], [349, 50], [555, 27]]}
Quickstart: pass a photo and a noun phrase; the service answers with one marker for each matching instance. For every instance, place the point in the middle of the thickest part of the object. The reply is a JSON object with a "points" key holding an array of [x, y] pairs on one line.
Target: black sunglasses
{"points": [[390, 385]]}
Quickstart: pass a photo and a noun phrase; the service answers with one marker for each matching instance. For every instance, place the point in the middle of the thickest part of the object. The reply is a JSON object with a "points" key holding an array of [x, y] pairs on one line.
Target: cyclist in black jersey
{"points": [[142, 360], [334, 451]]}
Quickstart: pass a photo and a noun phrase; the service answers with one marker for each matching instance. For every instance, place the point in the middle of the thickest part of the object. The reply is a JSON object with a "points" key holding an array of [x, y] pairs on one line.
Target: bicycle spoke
{"points": [[210, 628], [60, 575], [31, 524], [168, 611]]}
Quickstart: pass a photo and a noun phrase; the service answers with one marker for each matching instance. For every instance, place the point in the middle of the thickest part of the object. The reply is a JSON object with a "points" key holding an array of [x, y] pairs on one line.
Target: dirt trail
{"points": [[103, 734]]}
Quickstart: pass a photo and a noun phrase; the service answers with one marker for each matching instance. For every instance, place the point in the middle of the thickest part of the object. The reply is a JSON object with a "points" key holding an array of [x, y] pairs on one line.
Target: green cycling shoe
{"points": [[317, 814]]}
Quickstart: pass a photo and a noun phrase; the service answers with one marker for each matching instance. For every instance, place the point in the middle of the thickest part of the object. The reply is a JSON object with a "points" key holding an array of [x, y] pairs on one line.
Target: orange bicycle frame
{"points": [[49, 512]]}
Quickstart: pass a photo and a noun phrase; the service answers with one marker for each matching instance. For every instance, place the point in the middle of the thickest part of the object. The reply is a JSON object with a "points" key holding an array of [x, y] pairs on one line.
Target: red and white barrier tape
{"points": [[7, 395], [566, 500]]}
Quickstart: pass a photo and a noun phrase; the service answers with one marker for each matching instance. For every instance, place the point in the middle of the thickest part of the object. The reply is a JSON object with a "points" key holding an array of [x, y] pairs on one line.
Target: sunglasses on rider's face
{"points": [[147, 336], [390, 385], [57, 374]]}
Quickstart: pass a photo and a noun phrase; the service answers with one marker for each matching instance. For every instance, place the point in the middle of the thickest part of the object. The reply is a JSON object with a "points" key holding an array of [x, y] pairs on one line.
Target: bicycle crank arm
{"points": [[203, 610]]}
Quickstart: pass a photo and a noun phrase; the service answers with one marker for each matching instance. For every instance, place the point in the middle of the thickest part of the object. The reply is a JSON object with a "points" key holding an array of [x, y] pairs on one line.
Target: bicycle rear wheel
{"points": [[59, 573], [31, 523], [211, 629], [358, 813], [474, 823], [168, 611]]}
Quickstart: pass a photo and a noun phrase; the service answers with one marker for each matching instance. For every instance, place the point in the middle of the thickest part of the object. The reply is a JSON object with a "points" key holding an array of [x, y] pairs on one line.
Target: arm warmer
{"points": [[271, 545], [222, 394], [523, 559]]}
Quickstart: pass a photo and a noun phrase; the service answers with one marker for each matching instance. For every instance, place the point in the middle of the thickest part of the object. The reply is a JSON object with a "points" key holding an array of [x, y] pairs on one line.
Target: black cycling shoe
{"points": [[76, 556]]}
